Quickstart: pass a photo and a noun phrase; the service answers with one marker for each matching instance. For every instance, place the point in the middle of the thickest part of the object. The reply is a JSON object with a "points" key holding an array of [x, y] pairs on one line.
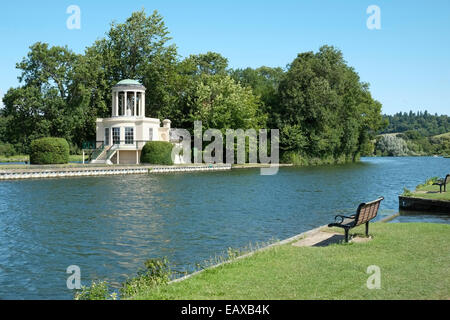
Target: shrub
{"points": [[157, 152], [156, 273], [7, 150], [49, 151], [97, 291], [392, 146]]}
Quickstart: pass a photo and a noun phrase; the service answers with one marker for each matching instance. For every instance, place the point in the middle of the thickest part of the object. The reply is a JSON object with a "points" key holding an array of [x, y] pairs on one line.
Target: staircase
{"points": [[104, 155]]}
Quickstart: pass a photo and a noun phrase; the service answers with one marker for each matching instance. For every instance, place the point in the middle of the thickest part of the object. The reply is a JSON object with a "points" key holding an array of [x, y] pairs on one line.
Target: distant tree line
{"points": [[318, 102], [414, 134], [424, 123]]}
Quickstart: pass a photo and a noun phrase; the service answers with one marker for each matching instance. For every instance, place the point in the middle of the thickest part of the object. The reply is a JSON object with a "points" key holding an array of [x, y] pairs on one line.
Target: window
{"points": [[107, 137], [129, 135], [116, 135], [150, 134]]}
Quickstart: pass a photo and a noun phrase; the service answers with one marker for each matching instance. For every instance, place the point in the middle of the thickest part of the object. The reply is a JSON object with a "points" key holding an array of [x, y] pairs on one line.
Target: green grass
{"points": [[432, 192], [24, 158], [414, 261]]}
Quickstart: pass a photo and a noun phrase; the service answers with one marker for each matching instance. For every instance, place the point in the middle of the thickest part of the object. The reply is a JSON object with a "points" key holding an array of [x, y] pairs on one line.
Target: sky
{"points": [[406, 61]]}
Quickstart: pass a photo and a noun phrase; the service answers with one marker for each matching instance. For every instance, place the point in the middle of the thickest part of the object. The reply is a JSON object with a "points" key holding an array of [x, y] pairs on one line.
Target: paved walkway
{"points": [[323, 239]]}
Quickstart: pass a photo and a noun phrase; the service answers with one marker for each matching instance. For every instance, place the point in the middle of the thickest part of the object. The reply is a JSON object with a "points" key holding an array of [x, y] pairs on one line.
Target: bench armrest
{"points": [[341, 217]]}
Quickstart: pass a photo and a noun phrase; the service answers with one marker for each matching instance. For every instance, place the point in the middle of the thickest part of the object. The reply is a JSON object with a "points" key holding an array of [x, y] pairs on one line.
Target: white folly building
{"points": [[120, 139]]}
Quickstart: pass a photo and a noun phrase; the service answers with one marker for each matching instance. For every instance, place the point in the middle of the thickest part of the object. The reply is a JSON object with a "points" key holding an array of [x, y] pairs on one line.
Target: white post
{"points": [[116, 102], [134, 105], [137, 157], [83, 156], [125, 104], [143, 104]]}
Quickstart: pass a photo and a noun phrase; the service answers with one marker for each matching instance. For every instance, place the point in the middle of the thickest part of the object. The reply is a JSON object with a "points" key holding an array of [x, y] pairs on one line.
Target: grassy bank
{"points": [[26, 158], [414, 261], [302, 160], [432, 192], [428, 191]]}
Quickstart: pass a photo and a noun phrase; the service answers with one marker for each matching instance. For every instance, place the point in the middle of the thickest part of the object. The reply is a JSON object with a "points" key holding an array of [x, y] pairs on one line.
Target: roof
{"points": [[129, 82]]}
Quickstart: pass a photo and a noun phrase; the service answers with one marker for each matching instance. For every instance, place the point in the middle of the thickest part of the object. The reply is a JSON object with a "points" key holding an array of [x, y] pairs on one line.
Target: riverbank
{"points": [[26, 158], [64, 171], [15, 172], [331, 272], [426, 198]]}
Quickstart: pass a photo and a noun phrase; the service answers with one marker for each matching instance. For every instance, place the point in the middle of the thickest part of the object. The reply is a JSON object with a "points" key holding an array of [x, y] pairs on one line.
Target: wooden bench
{"points": [[442, 182], [364, 213]]}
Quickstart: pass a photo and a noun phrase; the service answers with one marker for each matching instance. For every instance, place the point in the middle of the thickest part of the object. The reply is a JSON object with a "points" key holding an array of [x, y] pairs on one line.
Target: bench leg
{"points": [[346, 235], [367, 229]]}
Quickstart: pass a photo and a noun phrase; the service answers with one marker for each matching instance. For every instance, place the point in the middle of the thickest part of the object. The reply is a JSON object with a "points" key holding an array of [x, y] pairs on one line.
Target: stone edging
{"points": [[103, 171], [422, 204]]}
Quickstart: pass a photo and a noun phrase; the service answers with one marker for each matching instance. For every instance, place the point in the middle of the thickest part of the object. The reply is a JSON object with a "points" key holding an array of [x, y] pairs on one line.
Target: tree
{"points": [[221, 103], [210, 63], [390, 145], [324, 97], [264, 82], [139, 49]]}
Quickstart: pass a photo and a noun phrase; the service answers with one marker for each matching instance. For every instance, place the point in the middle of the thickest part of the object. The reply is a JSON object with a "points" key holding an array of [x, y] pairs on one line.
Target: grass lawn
{"points": [[432, 192], [414, 260], [23, 158]]}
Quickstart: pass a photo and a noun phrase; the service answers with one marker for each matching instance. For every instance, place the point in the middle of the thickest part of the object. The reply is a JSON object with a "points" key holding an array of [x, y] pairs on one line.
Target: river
{"points": [[108, 226]]}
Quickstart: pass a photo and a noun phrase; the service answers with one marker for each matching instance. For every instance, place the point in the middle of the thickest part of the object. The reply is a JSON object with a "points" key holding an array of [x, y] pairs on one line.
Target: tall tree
{"points": [[139, 49], [323, 100]]}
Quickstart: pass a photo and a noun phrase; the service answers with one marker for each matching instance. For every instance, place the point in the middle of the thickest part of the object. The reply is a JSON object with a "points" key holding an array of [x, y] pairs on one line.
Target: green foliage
{"points": [[428, 182], [221, 103], [157, 152], [324, 97], [392, 146], [420, 124], [7, 150], [407, 192], [210, 63], [264, 82], [155, 273], [97, 291], [49, 151]]}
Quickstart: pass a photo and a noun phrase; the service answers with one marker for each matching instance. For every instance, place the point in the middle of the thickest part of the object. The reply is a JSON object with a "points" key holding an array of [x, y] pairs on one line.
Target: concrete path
{"points": [[323, 239]]}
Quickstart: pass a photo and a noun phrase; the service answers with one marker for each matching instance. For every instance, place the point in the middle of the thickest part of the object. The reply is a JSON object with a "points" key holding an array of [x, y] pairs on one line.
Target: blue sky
{"points": [[407, 62]]}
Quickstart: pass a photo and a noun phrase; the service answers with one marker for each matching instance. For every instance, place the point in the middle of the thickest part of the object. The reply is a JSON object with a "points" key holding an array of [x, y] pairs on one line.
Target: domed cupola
{"points": [[128, 99]]}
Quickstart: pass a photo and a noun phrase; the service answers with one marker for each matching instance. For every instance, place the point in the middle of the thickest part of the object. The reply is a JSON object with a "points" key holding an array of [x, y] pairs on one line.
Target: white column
{"points": [[125, 103], [134, 105], [113, 104], [116, 102], [143, 104]]}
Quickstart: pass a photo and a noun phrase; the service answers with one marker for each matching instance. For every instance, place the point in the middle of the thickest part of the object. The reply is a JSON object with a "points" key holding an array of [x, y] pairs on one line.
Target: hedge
{"points": [[157, 152], [49, 151]]}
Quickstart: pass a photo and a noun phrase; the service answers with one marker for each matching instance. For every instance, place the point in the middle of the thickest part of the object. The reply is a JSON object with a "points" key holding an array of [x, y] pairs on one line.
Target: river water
{"points": [[108, 226]]}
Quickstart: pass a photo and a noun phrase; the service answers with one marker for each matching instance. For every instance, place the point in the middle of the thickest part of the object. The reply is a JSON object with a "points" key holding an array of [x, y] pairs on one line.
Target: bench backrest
{"points": [[447, 179], [367, 211]]}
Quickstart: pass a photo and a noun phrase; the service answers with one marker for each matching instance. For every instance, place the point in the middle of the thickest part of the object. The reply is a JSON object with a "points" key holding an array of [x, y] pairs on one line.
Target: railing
{"points": [[97, 152], [111, 151]]}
